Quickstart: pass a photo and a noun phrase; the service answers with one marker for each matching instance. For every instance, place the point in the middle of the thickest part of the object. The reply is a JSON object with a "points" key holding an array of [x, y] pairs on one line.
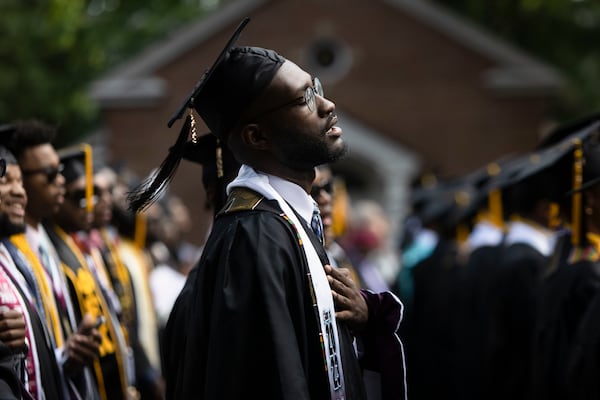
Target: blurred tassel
{"points": [[152, 187], [219, 159], [495, 208], [554, 216], [220, 190], [139, 236], [89, 178], [339, 215], [462, 233], [576, 200]]}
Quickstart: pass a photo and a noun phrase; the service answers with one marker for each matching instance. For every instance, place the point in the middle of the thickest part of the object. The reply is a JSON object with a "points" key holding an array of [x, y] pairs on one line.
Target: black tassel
{"points": [[153, 186]]}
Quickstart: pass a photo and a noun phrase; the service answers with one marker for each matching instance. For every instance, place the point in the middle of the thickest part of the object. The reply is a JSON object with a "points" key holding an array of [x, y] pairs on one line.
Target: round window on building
{"points": [[329, 59]]}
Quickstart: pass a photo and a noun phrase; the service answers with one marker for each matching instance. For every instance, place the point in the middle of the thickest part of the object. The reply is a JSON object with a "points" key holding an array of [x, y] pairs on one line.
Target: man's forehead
{"points": [[291, 75], [43, 153]]}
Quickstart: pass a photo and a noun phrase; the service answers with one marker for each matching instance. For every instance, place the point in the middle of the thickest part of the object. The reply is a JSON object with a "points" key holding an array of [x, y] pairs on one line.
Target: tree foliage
{"points": [[52, 49], [564, 33]]}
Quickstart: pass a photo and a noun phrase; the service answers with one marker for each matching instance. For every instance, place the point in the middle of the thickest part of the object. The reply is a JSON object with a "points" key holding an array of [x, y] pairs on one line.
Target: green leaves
{"points": [[563, 33], [51, 50]]}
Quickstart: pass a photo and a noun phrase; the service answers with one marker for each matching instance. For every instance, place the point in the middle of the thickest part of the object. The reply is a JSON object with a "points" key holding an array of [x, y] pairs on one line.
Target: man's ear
{"points": [[255, 137]]}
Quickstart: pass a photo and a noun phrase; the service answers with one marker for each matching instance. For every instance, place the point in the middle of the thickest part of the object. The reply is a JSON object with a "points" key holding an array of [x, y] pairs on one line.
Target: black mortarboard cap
{"points": [[564, 130], [580, 169], [73, 161], [229, 86], [445, 203], [222, 94]]}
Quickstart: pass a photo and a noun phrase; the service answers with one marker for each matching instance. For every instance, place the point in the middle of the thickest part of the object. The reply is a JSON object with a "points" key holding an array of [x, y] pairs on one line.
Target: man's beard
{"points": [[300, 152], [8, 228]]}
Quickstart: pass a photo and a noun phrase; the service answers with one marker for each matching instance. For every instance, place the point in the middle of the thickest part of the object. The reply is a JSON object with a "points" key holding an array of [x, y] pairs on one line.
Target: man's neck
{"points": [[304, 179], [32, 222]]}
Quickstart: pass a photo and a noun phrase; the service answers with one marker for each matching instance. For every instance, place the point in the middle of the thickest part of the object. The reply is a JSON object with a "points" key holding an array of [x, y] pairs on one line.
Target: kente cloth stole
{"points": [[591, 252]]}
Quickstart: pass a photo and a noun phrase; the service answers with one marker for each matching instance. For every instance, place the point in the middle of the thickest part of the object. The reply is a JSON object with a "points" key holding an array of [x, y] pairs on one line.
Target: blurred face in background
{"points": [[73, 215], [322, 193], [43, 182], [104, 182]]}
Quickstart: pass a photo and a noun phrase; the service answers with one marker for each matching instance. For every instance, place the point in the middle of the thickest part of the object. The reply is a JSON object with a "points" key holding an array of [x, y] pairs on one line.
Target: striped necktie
{"points": [[316, 223]]}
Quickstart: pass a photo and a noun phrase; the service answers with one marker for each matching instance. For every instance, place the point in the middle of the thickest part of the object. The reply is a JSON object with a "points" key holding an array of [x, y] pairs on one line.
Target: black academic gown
{"points": [[510, 335], [10, 387], [474, 303], [429, 331], [583, 368], [562, 301], [244, 325]]}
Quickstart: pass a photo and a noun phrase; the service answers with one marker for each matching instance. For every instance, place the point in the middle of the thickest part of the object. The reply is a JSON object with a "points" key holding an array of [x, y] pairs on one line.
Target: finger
{"points": [[343, 275], [12, 334], [82, 354], [341, 302], [87, 324], [340, 287], [87, 342], [11, 319], [344, 315], [95, 336], [16, 339]]}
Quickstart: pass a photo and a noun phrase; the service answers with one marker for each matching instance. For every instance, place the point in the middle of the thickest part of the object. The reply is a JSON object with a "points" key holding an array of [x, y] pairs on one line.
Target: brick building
{"points": [[416, 87]]}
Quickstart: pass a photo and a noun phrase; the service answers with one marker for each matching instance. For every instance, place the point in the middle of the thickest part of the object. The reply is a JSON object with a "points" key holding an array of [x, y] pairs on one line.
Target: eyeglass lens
{"points": [[49, 172], [52, 173], [310, 94]]}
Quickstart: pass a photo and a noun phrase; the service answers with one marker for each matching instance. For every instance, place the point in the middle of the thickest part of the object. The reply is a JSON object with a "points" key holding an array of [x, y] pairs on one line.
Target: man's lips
{"points": [[332, 129], [335, 131]]}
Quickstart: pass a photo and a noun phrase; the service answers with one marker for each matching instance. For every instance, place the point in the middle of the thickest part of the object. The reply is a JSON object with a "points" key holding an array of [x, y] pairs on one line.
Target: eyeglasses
{"points": [[50, 172], [309, 99], [315, 191], [78, 198]]}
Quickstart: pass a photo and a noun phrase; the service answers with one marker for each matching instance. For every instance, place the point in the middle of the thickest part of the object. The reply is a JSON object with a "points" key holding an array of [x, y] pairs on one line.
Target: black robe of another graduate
{"points": [[473, 320], [583, 368], [428, 332], [562, 302], [512, 315], [244, 325]]}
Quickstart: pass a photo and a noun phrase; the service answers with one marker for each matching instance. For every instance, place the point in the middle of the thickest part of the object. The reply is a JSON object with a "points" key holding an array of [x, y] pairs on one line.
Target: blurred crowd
{"points": [[499, 275], [497, 271]]}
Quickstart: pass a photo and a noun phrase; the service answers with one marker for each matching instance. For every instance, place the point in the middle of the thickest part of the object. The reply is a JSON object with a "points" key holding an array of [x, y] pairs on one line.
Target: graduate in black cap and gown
{"points": [[259, 316], [481, 253], [429, 328], [572, 279], [530, 192]]}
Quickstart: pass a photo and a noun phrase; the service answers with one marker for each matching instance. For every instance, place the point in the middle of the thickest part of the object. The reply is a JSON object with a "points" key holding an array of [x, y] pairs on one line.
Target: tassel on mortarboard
{"points": [[576, 226], [495, 198], [140, 231], [89, 177], [152, 187]]}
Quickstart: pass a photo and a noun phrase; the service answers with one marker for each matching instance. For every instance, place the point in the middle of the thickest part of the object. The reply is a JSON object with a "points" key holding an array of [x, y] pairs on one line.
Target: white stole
{"points": [[250, 179]]}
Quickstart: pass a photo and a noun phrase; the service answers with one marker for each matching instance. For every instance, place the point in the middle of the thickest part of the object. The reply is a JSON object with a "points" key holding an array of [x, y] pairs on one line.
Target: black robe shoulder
{"points": [[243, 325]]}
